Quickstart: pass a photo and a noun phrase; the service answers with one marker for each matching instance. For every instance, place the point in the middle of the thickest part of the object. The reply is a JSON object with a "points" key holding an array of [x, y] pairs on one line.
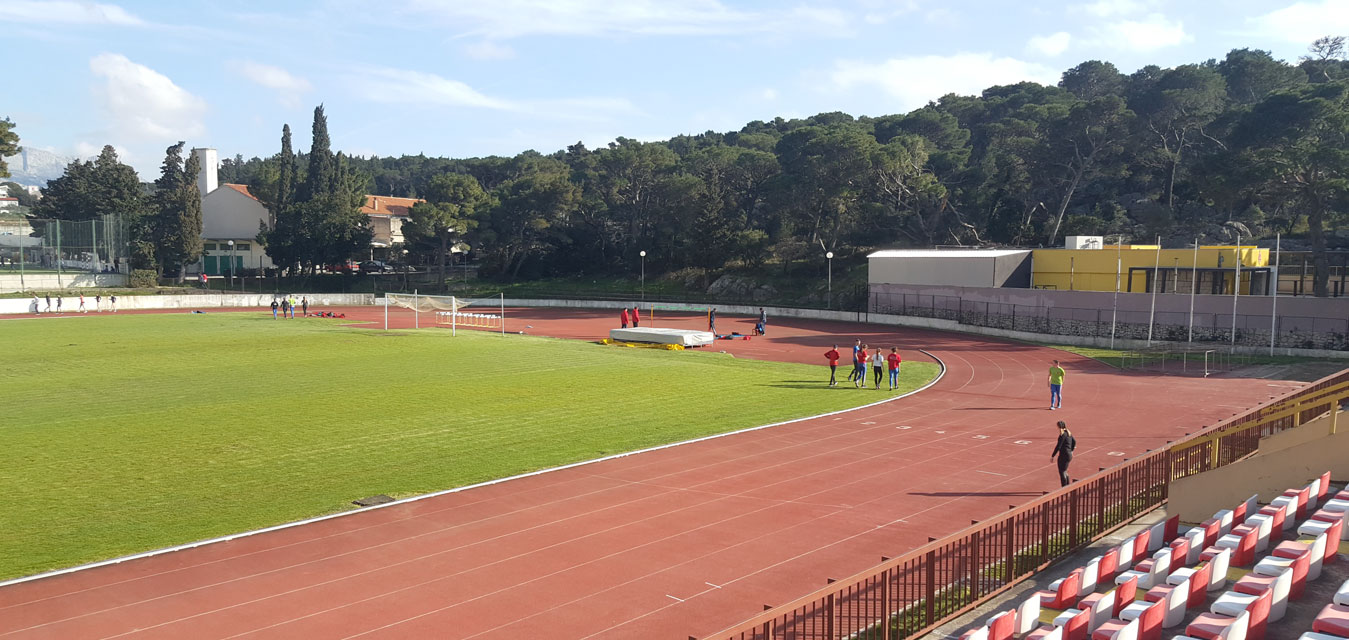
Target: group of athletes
{"points": [[878, 360]]}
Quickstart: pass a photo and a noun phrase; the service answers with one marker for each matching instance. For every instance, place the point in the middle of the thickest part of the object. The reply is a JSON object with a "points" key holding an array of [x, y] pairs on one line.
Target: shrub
{"points": [[144, 278]]}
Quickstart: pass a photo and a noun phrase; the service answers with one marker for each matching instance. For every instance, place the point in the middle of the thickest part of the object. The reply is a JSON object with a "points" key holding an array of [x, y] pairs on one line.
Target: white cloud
{"points": [[289, 88], [514, 18], [387, 85], [143, 104], [1051, 45], [66, 12], [1151, 33], [917, 80], [883, 11], [488, 50], [1115, 8], [769, 94], [1303, 22]]}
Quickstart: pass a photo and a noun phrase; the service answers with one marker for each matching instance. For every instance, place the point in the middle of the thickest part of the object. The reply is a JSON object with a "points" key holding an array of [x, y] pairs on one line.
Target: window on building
{"points": [[209, 246], [241, 246]]}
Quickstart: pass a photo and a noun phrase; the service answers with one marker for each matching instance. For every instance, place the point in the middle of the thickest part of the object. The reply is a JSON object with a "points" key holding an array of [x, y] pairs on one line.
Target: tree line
{"points": [[1247, 145]]}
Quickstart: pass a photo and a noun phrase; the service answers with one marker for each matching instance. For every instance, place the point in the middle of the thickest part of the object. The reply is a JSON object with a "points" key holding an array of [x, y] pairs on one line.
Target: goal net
{"points": [[453, 311]]}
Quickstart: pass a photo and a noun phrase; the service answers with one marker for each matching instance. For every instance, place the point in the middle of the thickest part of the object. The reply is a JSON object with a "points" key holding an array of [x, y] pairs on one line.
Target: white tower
{"points": [[210, 163]]}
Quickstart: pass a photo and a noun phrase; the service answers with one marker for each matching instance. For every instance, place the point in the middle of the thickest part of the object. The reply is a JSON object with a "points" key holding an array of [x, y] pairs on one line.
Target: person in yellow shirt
{"points": [[1055, 386]]}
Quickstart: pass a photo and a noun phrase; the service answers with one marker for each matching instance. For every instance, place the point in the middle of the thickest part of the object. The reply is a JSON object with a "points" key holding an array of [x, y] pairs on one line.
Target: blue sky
{"points": [[478, 77]]}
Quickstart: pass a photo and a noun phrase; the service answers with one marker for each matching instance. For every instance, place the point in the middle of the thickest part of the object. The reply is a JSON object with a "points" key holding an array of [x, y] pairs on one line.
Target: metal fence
{"points": [[913, 594], [98, 245], [1207, 327]]}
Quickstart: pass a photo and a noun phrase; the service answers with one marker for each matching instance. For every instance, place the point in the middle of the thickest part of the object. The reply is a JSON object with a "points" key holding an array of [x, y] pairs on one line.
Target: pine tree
{"points": [[176, 225], [9, 145]]}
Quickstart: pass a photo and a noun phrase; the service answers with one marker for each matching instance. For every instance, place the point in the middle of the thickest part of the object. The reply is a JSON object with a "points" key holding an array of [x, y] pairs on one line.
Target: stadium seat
{"points": [[1214, 568], [1002, 626], [1142, 542], [1254, 584], [1342, 595], [1075, 625], [1277, 513], [1117, 630], [1195, 587], [1242, 543], [1264, 525], [1273, 566], [1290, 510], [1312, 635], [1333, 619], [1341, 517], [1150, 572], [1246, 508], [1225, 609], [1225, 518], [1176, 598], [1156, 536], [980, 633], [1236, 629], [1315, 527], [1027, 615], [1109, 566], [1046, 632], [1126, 554], [1293, 548], [1180, 552], [1125, 594], [1101, 606], [1195, 537], [1172, 528], [1062, 592], [1090, 571], [1211, 528], [1150, 617], [1302, 496]]}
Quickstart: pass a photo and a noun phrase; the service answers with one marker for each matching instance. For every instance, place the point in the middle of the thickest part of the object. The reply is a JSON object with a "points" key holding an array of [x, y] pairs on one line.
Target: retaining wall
{"points": [[204, 301], [10, 282]]}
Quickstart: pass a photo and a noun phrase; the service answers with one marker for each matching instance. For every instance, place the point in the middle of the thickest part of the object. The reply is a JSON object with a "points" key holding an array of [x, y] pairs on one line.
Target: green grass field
{"points": [[128, 433]]}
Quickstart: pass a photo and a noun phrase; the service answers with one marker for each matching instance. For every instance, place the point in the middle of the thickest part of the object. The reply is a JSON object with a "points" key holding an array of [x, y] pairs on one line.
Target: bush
{"points": [[144, 278]]}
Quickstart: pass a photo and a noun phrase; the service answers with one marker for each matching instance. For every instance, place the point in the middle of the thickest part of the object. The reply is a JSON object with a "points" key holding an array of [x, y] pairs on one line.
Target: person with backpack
{"points": [[1064, 450]]}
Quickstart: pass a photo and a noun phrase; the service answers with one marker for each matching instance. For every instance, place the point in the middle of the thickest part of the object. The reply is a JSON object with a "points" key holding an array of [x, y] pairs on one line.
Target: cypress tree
{"points": [[321, 169], [177, 219]]}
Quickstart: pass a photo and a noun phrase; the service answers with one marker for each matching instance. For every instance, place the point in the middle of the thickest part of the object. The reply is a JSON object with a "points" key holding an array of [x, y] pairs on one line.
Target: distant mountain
{"points": [[36, 166]]}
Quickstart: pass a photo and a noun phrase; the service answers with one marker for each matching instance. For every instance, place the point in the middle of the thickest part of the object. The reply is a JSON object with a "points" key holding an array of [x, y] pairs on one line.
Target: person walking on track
{"points": [[1064, 451], [894, 361], [304, 306], [712, 320], [82, 308], [623, 318], [1055, 386], [763, 318], [636, 317], [832, 356], [275, 305]]}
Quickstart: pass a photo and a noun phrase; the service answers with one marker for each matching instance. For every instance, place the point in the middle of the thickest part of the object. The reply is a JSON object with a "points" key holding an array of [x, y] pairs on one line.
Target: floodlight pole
{"points": [[1274, 303], [1194, 285], [231, 243], [1236, 289], [1114, 307], [503, 314], [829, 301], [643, 254], [386, 311], [1156, 268], [416, 312]]}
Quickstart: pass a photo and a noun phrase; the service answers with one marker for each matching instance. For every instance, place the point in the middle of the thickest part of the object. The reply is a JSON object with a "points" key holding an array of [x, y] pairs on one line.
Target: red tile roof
{"points": [[388, 206], [241, 188]]}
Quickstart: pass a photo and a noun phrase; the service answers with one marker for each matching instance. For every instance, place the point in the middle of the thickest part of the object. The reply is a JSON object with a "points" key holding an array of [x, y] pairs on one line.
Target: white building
{"points": [[387, 215], [229, 213]]}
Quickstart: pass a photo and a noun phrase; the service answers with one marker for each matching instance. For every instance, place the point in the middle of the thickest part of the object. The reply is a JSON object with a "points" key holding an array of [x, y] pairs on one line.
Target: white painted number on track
{"points": [[1115, 453], [868, 423], [904, 427], [980, 437], [1021, 442], [939, 432]]}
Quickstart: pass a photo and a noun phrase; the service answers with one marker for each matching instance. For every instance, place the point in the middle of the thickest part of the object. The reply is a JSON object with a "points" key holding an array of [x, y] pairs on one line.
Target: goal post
{"points": [[456, 312]]}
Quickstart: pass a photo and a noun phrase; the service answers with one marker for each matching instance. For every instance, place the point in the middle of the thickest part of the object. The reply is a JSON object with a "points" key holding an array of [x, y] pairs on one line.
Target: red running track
{"points": [[664, 544]]}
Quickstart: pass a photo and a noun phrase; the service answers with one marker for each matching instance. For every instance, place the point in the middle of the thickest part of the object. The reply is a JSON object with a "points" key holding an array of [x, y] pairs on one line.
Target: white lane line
{"points": [[989, 472], [714, 586], [674, 598], [981, 437]]}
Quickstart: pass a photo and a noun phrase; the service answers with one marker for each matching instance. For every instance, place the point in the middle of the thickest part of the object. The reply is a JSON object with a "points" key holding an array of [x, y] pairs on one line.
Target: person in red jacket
{"points": [[636, 317], [893, 360], [832, 356], [623, 317]]}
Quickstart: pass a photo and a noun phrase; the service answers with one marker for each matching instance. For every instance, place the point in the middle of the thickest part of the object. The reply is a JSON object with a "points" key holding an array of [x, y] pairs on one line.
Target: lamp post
{"points": [[231, 243], [405, 269], [829, 301], [643, 254]]}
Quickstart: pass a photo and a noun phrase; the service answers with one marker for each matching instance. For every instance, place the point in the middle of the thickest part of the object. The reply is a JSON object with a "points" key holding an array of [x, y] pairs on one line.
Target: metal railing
{"points": [[912, 594]]}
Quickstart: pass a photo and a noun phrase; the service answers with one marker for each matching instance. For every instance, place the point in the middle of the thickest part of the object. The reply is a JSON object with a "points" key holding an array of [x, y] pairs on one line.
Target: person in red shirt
{"points": [[636, 317], [832, 356], [893, 360], [623, 317]]}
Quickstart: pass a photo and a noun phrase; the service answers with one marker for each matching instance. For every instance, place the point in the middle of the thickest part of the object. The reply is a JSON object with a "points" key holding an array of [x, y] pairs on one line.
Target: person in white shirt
{"points": [[877, 367]]}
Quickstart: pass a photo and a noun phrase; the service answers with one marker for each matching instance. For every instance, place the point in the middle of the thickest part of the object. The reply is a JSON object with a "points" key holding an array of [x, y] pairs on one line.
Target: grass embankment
{"points": [[128, 433]]}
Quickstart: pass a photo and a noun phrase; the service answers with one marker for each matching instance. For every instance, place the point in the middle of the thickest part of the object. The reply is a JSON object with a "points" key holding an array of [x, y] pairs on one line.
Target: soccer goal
{"points": [[451, 311]]}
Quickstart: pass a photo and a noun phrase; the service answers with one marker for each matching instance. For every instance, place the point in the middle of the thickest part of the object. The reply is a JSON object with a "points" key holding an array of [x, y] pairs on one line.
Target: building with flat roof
{"points": [[951, 267]]}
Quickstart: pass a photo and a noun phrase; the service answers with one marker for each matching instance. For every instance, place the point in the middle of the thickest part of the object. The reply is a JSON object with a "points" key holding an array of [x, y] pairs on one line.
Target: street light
{"points": [[829, 302], [405, 269], [643, 254], [231, 243]]}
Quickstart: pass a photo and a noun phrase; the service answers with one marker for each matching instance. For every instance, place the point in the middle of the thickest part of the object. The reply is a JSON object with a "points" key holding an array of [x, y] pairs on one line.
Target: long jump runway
{"points": [[670, 543]]}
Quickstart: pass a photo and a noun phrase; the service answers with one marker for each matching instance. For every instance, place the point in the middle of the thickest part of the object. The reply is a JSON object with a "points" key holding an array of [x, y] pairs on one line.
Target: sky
{"points": [[463, 78]]}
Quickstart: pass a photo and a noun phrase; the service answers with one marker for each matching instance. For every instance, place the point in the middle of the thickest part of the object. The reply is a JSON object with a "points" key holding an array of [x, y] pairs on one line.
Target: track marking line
{"points": [[1021, 442], [980, 437], [904, 427], [674, 598], [870, 422], [1115, 453], [939, 432], [991, 473], [714, 586]]}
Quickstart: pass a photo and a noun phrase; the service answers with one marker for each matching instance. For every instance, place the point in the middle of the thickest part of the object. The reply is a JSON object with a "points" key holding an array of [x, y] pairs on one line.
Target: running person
{"points": [[877, 367], [832, 356], [1064, 450], [1055, 386], [82, 309], [49, 304], [894, 361]]}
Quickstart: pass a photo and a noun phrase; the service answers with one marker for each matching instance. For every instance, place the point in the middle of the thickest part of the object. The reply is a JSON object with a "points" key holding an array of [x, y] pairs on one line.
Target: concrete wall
{"points": [[225, 301], [1285, 460], [1303, 323], [982, 271], [10, 282]]}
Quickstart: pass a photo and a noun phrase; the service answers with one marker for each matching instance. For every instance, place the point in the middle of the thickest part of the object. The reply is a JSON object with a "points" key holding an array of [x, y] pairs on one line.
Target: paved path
{"points": [[665, 544]]}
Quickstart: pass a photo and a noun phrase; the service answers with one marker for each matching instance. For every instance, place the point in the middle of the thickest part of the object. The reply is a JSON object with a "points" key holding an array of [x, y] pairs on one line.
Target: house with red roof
{"points": [[230, 219]]}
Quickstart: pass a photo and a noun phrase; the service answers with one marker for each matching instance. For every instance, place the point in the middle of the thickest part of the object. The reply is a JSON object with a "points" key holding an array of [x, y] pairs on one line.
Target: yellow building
{"points": [[1095, 269]]}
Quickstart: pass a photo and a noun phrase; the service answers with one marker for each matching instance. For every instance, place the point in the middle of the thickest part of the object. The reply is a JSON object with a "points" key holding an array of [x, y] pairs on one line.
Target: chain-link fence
{"points": [[1207, 327], [98, 245]]}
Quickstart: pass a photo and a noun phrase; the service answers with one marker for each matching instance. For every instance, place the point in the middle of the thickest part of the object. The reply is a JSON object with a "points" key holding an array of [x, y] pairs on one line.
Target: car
{"points": [[349, 266], [374, 266]]}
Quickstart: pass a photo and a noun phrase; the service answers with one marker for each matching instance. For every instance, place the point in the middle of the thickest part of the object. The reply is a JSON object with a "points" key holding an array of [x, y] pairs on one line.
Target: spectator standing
{"points": [[636, 317], [623, 318], [58, 304], [49, 304], [894, 361], [112, 300], [1064, 450], [304, 306], [275, 305], [98, 303], [832, 356], [712, 320], [37, 305], [878, 367], [763, 318]]}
